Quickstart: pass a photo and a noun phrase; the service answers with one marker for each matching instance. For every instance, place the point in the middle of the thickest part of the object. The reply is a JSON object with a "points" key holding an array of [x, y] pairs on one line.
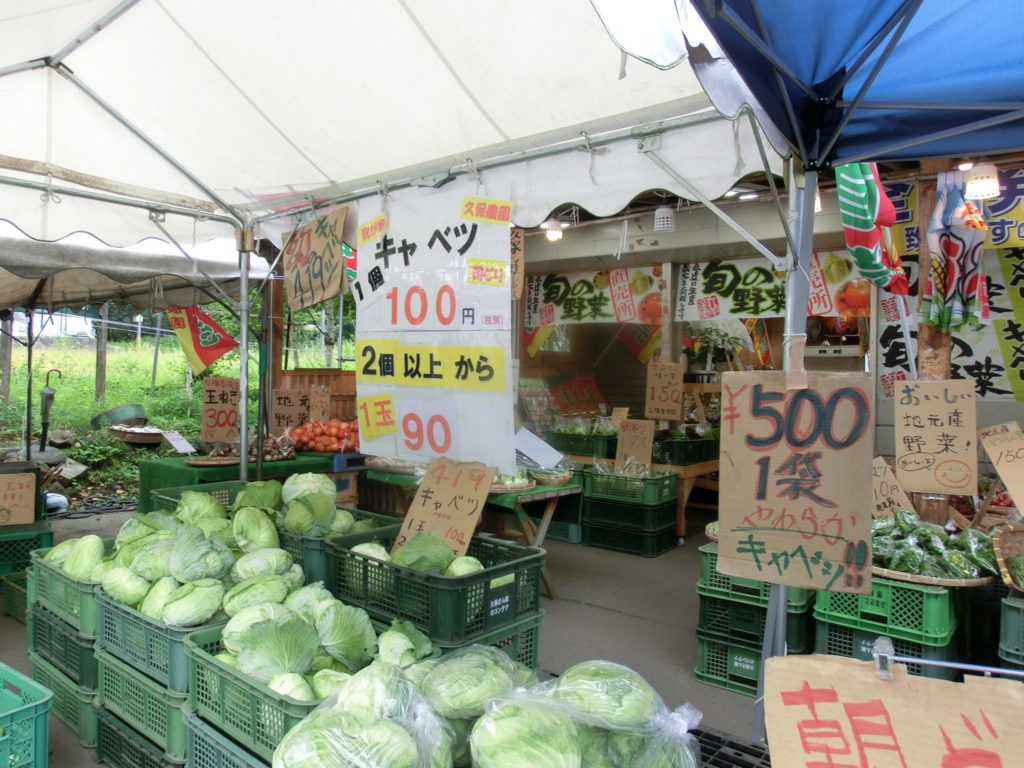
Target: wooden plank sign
{"points": [[448, 502], [292, 407], [619, 414], [18, 498], [220, 409], [636, 438], [314, 267], [1004, 444], [936, 438], [825, 710], [664, 393], [888, 494], [793, 505]]}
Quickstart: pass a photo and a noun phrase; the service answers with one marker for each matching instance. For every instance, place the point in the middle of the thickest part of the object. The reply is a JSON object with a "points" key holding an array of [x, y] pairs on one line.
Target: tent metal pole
{"points": [[94, 29], [790, 242], [29, 312], [159, 225], [937, 106], [243, 368]]}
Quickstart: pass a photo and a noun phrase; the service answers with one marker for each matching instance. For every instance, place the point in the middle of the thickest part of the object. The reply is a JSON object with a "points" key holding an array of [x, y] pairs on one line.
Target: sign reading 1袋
{"points": [[433, 329]]}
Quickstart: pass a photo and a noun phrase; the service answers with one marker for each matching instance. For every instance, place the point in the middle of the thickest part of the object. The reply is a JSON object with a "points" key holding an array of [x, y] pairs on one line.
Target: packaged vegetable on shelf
{"points": [[907, 544], [332, 436]]}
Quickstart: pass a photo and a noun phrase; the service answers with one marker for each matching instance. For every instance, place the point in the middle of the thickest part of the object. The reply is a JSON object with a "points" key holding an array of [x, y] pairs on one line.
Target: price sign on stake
{"points": [[448, 502], [793, 507], [664, 398], [1004, 444], [292, 407], [888, 493], [220, 409], [636, 437]]}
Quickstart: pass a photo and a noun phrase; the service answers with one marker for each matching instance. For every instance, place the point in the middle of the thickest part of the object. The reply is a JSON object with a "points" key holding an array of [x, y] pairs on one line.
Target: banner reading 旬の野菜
{"points": [[625, 295]]}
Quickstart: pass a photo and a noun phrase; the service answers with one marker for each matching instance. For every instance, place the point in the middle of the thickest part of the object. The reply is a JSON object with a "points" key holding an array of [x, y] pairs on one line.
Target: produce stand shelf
{"points": [[69, 600]]}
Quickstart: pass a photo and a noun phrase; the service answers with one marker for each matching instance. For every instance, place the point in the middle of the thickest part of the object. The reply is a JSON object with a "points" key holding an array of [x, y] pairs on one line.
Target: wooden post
{"points": [[6, 329], [101, 355]]}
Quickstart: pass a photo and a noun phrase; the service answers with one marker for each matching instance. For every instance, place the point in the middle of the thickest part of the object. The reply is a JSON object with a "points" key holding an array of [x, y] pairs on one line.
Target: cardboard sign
{"points": [[636, 438], [292, 407], [618, 415], [220, 409], [664, 394], [936, 437], [1004, 444], [517, 258], [18, 498], [314, 267], [793, 505], [178, 442], [448, 502], [825, 710], [888, 493]]}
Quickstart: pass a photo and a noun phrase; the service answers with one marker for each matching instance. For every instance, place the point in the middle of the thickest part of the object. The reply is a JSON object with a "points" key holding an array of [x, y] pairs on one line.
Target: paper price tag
{"points": [[636, 438], [1004, 444], [936, 436], [177, 442], [888, 494], [17, 498], [220, 409], [664, 395]]}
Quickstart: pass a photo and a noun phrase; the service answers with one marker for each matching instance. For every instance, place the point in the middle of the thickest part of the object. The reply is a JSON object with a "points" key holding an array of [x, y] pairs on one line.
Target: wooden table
{"points": [[689, 476]]}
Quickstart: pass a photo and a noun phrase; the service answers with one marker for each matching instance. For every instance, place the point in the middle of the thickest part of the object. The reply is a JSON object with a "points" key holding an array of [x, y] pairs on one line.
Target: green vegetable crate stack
{"points": [[636, 515]]}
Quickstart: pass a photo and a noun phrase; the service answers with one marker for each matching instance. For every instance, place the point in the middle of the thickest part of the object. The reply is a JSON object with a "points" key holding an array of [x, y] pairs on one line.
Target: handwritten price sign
{"points": [[220, 409], [636, 438], [793, 506], [18, 498], [664, 391], [936, 440], [314, 267], [292, 407], [889, 496], [448, 502], [1004, 444]]}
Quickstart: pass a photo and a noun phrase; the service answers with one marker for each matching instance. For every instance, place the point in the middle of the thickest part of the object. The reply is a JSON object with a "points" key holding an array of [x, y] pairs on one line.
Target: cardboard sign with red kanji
{"points": [[449, 501], [636, 439], [292, 407], [18, 498]]}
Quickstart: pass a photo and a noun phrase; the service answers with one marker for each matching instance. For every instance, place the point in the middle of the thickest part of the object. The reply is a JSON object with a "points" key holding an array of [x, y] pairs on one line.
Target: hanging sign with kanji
{"points": [[889, 496], [314, 261], [292, 407], [202, 341], [664, 394], [1004, 444]]}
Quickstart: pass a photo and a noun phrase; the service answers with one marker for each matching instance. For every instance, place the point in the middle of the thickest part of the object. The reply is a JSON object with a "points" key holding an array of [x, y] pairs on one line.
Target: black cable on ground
{"points": [[94, 505]]}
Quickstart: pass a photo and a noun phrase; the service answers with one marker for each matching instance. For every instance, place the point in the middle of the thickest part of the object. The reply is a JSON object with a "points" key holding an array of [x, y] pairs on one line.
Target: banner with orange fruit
{"points": [[625, 295]]}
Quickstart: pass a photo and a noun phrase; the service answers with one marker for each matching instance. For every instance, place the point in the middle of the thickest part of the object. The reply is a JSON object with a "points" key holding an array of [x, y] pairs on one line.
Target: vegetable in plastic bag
{"points": [[194, 505], [254, 530], [906, 520], [329, 738], [463, 683], [929, 539], [882, 525], [253, 591], [83, 557], [195, 603], [124, 586], [958, 566], [525, 734], [607, 694]]}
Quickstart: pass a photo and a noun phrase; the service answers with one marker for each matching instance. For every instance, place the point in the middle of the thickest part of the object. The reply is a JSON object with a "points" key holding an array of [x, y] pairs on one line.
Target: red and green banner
{"points": [[201, 339]]}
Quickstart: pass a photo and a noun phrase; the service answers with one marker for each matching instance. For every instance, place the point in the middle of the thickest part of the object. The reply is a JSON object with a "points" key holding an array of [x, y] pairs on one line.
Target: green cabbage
{"points": [[158, 596], [83, 557], [346, 633], [153, 555], [234, 631], [228, 658], [292, 685], [418, 672], [525, 734], [403, 645], [259, 493], [261, 562], [160, 521], [254, 530], [377, 578], [309, 515], [328, 681], [101, 570], [294, 577], [463, 566], [269, 648], [342, 521], [329, 738], [426, 552], [253, 591], [464, 683], [308, 484], [218, 528], [196, 557], [326, 661], [364, 525], [304, 600], [607, 694], [134, 527], [59, 553], [124, 586], [194, 603], [194, 505], [379, 691]]}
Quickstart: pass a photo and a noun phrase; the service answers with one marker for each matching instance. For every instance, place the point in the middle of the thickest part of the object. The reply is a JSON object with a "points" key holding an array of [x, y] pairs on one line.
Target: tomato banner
{"points": [[202, 340]]}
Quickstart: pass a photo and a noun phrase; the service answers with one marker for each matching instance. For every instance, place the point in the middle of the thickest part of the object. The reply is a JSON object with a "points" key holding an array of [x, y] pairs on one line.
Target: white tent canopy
{"points": [[246, 108]]}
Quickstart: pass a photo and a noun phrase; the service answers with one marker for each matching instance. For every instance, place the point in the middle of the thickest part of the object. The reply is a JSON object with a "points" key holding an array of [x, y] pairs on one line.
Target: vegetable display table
{"points": [[174, 472]]}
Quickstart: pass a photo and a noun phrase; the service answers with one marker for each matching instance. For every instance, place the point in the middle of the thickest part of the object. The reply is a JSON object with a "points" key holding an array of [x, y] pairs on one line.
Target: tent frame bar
{"points": [[94, 29], [935, 106]]}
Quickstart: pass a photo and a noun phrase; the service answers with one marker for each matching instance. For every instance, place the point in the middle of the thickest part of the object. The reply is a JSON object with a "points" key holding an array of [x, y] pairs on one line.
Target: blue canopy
{"points": [[851, 80]]}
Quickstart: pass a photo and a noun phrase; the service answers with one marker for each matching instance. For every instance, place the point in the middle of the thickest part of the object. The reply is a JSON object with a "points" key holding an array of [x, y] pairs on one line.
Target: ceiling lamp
{"points": [[553, 229], [664, 219], [982, 182]]}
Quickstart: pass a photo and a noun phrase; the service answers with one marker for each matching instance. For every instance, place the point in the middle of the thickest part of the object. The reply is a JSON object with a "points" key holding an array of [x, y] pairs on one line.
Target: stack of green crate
{"points": [[636, 515], [1011, 631], [17, 542], [730, 632], [920, 619]]}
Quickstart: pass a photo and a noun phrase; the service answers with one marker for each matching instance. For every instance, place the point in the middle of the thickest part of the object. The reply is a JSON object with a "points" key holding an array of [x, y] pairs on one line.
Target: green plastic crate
{"points": [[559, 530], [69, 600], [209, 748], [596, 446], [17, 542], [683, 452], [24, 707], [62, 647], [839, 640], [1011, 630], [643, 543], [749, 591], [637, 517], [146, 706], [448, 609], [148, 645], [919, 613], [119, 746], [15, 591], [233, 702], [659, 488], [730, 620], [71, 704], [727, 664]]}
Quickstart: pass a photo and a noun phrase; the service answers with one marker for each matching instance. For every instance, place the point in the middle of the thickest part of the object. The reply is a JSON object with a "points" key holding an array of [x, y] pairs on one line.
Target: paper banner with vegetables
{"points": [[627, 295], [750, 288]]}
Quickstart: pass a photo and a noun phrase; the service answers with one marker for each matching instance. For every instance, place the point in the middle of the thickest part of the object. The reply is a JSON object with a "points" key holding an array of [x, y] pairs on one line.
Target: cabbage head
{"points": [[241, 623], [366, 579], [379, 691], [135, 527], [261, 562], [418, 672], [161, 521], [402, 644], [159, 595], [326, 661], [254, 530], [270, 648], [464, 683], [426, 552], [346, 633], [219, 528], [197, 557], [292, 685], [124, 586], [294, 577], [364, 525], [463, 566], [152, 559], [194, 603], [59, 553], [101, 570], [607, 694], [308, 484], [342, 521], [309, 515], [328, 681], [83, 557], [126, 555], [525, 734], [304, 600], [259, 493], [227, 658], [329, 738], [194, 505], [253, 591]]}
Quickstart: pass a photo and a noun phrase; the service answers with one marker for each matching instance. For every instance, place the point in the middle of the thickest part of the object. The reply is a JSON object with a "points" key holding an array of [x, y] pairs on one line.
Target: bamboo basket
{"points": [[1008, 542]]}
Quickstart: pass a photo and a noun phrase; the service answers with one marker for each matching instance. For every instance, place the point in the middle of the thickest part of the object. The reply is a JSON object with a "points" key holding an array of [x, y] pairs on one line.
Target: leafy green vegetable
{"points": [[379, 691], [268, 648], [326, 661], [421, 645], [196, 557], [1015, 567], [134, 527], [364, 525], [346, 633], [463, 566], [253, 591], [194, 603], [342, 521], [254, 530], [464, 683], [329, 738], [906, 520], [218, 528], [426, 552], [328, 681], [101, 570], [228, 658], [261, 562], [194, 505], [419, 671], [84, 556], [259, 493], [292, 685], [367, 579], [524, 734], [154, 555], [395, 648], [607, 694], [305, 599], [234, 631], [309, 515], [59, 553], [158, 596], [294, 577], [308, 484], [160, 521], [124, 586]]}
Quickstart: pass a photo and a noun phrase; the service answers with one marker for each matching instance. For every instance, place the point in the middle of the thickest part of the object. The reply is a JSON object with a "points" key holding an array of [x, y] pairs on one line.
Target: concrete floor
{"points": [[637, 611]]}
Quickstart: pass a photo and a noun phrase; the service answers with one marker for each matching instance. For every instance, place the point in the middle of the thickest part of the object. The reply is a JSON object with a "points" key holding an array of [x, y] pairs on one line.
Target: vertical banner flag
{"points": [[314, 261], [201, 339], [433, 329], [794, 508]]}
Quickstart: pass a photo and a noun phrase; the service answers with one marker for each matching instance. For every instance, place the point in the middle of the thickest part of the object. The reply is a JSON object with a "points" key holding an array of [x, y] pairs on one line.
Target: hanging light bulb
{"points": [[982, 182], [553, 229], [554, 235], [664, 219]]}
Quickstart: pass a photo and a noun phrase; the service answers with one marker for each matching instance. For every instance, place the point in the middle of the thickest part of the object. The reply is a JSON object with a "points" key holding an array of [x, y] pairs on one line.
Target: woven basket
{"points": [[553, 480], [498, 488], [934, 581], [1008, 542]]}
